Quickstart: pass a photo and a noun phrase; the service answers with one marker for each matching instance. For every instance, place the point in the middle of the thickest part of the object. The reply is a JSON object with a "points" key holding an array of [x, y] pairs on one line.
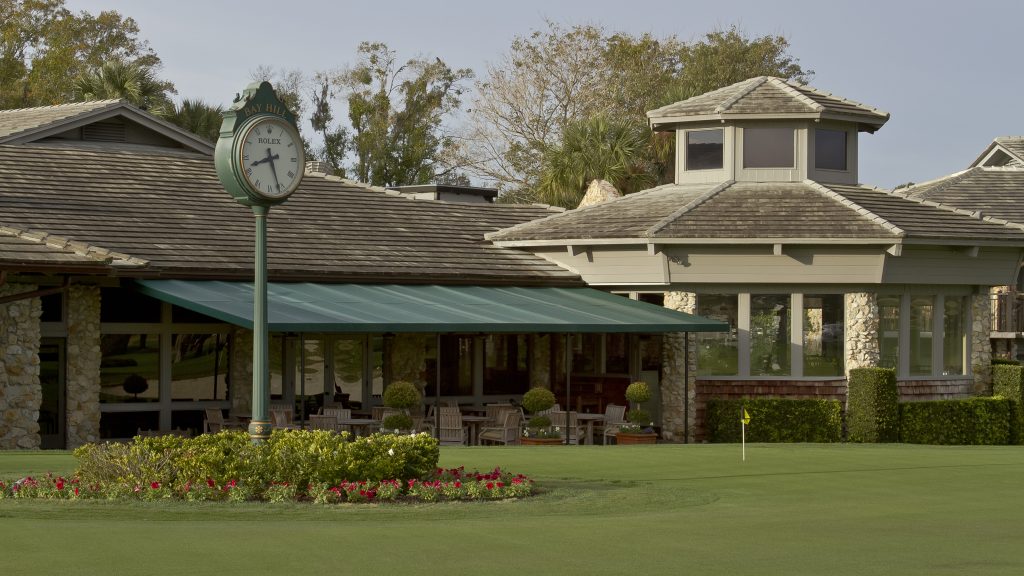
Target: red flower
{"points": [[458, 484], [490, 485], [211, 483], [154, 485], [76, 490], [501, 484], [60, 483]]}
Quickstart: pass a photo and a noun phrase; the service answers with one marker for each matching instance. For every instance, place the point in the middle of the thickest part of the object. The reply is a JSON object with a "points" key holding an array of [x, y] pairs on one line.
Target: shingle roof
{"points": [[171, 211], [36, 253], [997, 192], [1011, 146], [761, 211], [767, 96], [18, 121]]}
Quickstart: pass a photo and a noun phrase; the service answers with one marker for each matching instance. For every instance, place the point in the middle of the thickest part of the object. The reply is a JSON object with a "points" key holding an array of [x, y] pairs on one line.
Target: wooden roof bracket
{"points": [[33, 293], [895, 250], [777, 249]]}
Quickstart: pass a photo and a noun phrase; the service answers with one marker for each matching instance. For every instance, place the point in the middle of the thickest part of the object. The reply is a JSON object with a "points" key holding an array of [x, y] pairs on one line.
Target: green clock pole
{"points": [[260, 425], [259, 160]]}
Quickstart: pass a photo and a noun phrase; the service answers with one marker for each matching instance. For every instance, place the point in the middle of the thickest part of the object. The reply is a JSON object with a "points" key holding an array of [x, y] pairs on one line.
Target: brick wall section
{"points": [[910, 391]]}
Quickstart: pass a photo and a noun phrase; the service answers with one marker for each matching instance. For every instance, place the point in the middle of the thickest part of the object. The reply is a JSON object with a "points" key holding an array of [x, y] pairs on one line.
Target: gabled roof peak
{"points": [[766, 97]]}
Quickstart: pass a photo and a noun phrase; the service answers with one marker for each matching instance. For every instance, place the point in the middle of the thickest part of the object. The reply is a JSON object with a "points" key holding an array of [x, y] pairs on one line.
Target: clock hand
{"points": [[270, 158]]}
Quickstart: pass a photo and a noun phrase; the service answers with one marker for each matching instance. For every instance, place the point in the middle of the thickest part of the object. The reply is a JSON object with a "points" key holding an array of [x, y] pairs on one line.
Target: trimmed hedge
{"points": [[967, 421], [872, 410], [1007, 380], [775, 420]]}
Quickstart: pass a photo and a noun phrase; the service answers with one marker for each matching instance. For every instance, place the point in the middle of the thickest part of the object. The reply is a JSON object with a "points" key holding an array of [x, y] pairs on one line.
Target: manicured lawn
{"points": [[666, 509]]}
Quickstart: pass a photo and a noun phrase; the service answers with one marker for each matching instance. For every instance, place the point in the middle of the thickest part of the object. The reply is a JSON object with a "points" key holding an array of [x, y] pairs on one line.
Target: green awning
{"points": [[380, 308]]}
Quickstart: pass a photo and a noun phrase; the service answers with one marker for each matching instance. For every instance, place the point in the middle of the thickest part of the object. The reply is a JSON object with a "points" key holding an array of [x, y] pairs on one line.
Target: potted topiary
{"points": [[640, 429], [402, 396], [538, 428]]}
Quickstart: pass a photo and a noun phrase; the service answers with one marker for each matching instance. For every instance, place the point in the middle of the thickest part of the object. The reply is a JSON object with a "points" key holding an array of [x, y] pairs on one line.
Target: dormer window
{"points": [[704, 149], [830, 149], [768, 148]]}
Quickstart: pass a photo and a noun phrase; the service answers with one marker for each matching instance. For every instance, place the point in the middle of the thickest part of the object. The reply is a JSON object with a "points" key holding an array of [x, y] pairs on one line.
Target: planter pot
{"points": [[541, 441], [636, 438]]}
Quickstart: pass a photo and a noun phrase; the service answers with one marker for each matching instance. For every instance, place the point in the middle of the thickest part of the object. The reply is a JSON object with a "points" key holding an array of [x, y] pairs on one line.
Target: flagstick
{"points": [[743, 434]]}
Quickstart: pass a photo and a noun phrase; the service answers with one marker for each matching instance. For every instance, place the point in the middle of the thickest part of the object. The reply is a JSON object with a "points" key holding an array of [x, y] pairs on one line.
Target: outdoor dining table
{"points": [[590, 419], [474, 425], [358, 423]]}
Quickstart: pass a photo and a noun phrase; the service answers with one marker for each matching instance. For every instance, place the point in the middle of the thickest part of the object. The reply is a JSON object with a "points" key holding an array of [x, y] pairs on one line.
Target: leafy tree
{"points": [[131, 81], [335, 138], [556, 77], [396, 114], [598, 148], [44, 47], [196, 116]]}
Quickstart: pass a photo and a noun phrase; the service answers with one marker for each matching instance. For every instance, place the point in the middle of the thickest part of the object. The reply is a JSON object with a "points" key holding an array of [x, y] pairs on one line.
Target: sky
{"points": [[944, 70]]}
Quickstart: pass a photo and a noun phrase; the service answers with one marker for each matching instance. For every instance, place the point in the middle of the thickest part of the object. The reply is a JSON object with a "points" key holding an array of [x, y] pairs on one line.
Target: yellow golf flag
{"points": [[746, 417]]}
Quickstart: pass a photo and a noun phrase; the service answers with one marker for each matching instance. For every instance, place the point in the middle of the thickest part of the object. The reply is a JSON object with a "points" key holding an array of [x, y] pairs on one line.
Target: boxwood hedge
{"points": [[968, 421], [1007, 382], [872, 412], [775, 420]]}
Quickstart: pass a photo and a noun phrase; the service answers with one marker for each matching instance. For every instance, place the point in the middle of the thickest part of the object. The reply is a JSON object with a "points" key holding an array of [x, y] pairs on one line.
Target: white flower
{"points": [[391, 451]]}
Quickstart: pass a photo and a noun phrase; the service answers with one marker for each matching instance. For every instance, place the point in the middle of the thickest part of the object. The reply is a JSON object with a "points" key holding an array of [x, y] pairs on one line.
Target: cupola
{"points": [[766, 129]]}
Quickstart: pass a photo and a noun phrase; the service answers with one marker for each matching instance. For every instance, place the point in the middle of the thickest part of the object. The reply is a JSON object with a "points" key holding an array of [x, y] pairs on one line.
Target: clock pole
{"points": [[260, 425], [257, 131]]}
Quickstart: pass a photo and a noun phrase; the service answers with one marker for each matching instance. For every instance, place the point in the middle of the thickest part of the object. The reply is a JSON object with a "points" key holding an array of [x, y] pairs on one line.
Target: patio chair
{"points": [[614, 417], [282, 418], [495, 413], [507, 433], [323, 422], [214, 421], [452, 430], [339, 414], [576, 432]]}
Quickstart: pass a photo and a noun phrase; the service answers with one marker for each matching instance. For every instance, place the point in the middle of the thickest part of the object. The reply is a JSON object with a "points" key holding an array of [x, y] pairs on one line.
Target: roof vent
{"points": [[109, 131]]}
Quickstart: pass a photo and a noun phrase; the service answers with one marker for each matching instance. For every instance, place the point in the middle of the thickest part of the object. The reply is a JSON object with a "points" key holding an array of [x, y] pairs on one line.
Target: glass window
{"points": [[953, 336], [130, 368], [769, 334], [121, 305], [823, 335], [348, 369], [127, 424], [718, 352], [586, 353], [830, 149], [616, 353], [456, 365], [704, 149], [199, 366], [922, 310], [888, 331], [53, 308], [506, 361], [278, 348], [768, 148]]}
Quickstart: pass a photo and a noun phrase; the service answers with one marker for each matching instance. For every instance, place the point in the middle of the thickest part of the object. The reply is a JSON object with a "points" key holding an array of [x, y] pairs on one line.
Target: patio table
{"points": [[590, 419], [474, 426], [359, 423]]}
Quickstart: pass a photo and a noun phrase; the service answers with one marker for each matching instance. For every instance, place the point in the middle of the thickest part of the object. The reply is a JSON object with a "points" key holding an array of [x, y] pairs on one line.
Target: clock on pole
{"points": [[260, 161]]}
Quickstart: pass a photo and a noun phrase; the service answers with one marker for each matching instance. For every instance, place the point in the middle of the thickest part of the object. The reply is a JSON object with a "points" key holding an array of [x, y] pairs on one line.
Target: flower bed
{"points": [[300, 466]]}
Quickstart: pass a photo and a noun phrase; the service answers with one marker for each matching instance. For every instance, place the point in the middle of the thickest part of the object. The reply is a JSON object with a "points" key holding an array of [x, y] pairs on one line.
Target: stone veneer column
{"points": [[20, 393], [241, 372], [540, 361], [861, 331], [676, 392], [981, 342], [83, 365]]}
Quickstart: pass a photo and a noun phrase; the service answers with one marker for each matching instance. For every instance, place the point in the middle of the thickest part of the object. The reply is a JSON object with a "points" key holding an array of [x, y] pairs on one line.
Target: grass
{"points": [[665, 509]]}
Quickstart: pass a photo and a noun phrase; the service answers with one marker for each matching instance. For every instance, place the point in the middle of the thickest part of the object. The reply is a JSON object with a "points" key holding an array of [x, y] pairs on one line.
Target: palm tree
{"points": [[125, 79], [197, 117], [598, 148]]}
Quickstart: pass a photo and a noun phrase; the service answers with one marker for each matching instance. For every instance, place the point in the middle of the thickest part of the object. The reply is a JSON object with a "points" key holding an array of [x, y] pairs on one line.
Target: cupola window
{"points": [[768, 148], [830, 149], [704, 149]]}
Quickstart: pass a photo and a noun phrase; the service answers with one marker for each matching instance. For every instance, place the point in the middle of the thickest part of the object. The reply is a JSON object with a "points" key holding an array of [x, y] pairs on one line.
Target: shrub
{"points": [[775, 420], [638, 392], [1007, 382], [967, 421], [535, 400], [402, 395], [397, 422], [997, 361], [872, 411]]}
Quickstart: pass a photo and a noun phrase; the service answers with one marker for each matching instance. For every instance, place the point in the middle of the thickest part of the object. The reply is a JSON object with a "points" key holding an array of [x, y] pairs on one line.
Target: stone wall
{"points": [[981, 342], [83, 365], [20, 393], [861, 331], [676, 393]]}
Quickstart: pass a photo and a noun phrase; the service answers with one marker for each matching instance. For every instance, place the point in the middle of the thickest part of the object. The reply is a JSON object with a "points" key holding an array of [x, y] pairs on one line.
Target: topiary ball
{"points": [[402, 395], [538, 399], [638, 392]]}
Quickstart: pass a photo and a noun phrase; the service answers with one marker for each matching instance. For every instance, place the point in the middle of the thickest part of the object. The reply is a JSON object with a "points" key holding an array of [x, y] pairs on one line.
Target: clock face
{"points": [[271, 158]]}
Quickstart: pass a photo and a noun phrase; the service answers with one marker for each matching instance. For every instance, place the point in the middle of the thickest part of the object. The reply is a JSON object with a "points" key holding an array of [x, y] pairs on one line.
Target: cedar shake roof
{"points": [[27, 125], [170, 213], [1003, 151], [997, 192], [766, 97], [37, 254], [761, 211]]}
